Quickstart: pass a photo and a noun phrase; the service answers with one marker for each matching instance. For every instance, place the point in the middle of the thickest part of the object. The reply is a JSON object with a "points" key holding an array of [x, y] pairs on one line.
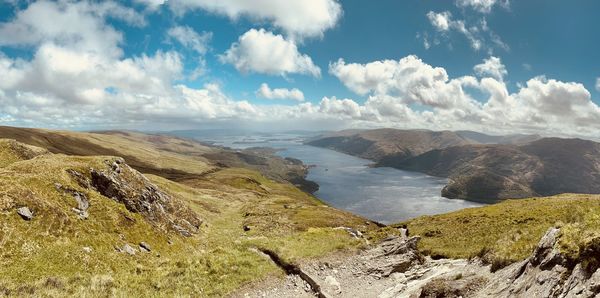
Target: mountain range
{"points": [[480, 167]]}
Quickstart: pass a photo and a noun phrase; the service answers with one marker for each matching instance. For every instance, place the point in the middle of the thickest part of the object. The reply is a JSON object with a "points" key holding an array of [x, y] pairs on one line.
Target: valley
{"points": [[122, 213], [513, 167]]}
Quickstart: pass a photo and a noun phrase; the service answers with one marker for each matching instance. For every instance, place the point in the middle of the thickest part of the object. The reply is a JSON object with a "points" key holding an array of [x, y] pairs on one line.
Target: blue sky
{"points": [[408, 64]]}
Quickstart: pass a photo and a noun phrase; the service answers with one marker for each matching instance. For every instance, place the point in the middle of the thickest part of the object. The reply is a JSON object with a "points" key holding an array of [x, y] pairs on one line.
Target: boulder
{"points": [[25, 213], [394, 254], [128, 249]]}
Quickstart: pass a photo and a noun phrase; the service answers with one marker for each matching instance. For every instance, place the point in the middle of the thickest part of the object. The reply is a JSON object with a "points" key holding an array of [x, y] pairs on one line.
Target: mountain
{"points": [[481, 138], [515, 167], [387, 143], [131, 214], [487, 173], [182, 223]]}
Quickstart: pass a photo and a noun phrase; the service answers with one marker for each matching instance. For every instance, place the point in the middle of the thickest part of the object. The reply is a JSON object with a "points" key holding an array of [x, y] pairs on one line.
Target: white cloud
{"points": [[279, 93], [444, 23], [77, 25], [344, 107], [542, 105], [298, 18], [598, 84], [479, 36], [441, 21], [408, 79], [189, 38], [492, 67], [263, 52], [483, 6], [152, 4]]}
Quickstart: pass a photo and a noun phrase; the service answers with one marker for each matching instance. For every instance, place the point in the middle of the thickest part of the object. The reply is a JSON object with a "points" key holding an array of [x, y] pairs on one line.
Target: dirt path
{"points": [[392, 269]]}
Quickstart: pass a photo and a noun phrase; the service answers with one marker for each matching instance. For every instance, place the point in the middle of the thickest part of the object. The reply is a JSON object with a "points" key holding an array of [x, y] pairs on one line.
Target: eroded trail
{"points": [[395, 268]]}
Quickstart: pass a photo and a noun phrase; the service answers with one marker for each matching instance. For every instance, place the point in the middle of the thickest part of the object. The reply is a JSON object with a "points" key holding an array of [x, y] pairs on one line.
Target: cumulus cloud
{"points": [[279, 93], [409, 79], [191, 39], [261, 51], [598, 84], [492, 67], [298, 18], [394, 86], [78, 75], [483, 6], [77, 25]]}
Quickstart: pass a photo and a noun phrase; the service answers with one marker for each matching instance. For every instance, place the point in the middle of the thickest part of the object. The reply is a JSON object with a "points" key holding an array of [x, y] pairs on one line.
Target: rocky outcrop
{"points": [[125, 185], [394, 254], [395, 268], [547, 273]]}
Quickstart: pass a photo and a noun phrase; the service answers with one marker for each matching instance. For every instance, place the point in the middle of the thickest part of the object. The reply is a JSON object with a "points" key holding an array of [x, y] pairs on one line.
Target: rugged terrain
{"points": [[148, 215], [488, 173], [478, 169], [550, 260], [123, 213]]}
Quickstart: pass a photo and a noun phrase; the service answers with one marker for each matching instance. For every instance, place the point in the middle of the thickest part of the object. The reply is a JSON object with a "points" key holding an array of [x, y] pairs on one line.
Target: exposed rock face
{"points": [[545, 274], [126, 185], [395, 268], [396, 254]]}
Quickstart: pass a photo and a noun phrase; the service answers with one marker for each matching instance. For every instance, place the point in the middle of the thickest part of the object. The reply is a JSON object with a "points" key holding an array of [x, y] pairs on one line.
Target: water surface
{"points": [[346, 182]]}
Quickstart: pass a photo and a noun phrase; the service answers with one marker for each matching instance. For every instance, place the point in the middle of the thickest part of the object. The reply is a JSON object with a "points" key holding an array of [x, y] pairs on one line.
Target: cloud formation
{"points": [[260, 51], [492, 67], [483, 6], [297, 18], [279, 93], [190, 38]]}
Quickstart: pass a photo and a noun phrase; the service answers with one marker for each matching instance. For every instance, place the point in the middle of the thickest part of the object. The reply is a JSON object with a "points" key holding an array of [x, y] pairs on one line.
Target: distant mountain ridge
{"points": [[481, 167]]}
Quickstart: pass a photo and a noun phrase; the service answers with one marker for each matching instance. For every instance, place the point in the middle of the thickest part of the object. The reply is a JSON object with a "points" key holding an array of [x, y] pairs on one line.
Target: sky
{"points": [[496, 66]]}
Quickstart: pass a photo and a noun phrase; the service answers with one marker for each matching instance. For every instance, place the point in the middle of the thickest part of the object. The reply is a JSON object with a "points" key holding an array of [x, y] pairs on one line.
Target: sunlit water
{"points": [[385, 195]]}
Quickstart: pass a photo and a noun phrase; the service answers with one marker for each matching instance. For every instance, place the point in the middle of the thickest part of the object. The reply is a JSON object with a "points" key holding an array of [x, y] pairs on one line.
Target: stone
{"points": [[120, 182], [128, 249], [82, 204], [246, 228], [145, 247], [25, 213], [87, 249]]}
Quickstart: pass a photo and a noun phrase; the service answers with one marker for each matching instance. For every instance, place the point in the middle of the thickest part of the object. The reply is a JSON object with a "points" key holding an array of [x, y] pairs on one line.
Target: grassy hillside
{"points": [[509, 231], [58, 253]]}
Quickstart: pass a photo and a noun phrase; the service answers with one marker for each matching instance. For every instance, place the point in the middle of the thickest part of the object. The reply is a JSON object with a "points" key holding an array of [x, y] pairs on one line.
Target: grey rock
{"points": [[129, 187], [25, 213], [82, 204], [395, 254], [145, 247], [128, 249]]}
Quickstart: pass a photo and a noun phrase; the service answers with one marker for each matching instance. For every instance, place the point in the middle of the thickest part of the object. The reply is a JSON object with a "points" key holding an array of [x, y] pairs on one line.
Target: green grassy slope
{"points": [[509, 231], [47, 256]]}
